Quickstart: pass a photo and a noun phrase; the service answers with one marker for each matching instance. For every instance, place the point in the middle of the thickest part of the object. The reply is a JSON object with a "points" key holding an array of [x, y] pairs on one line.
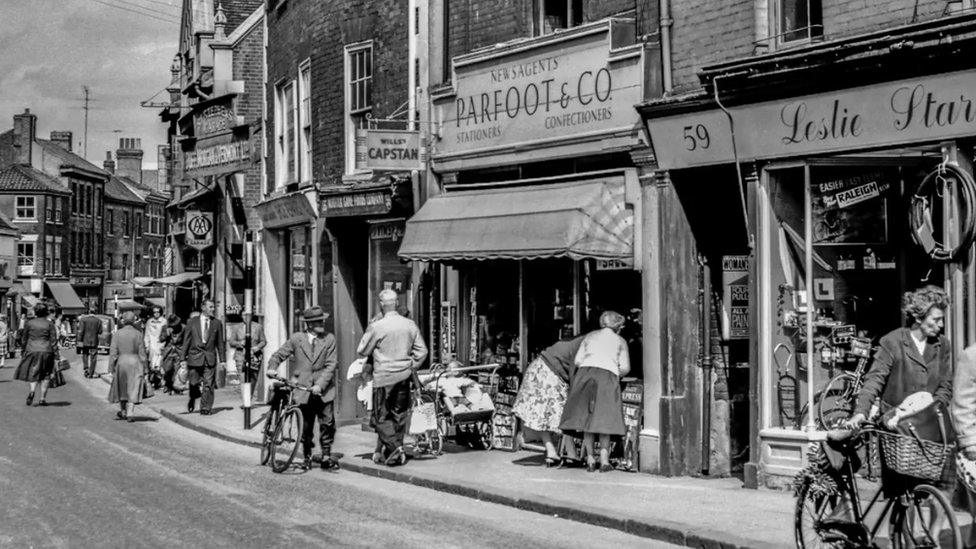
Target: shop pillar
{"points": [[650, 437]]}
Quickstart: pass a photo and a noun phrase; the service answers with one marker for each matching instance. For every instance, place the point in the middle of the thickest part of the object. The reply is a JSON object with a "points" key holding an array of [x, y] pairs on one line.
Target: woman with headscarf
{"points": [[593, 406], [39, 347], [128, 363]]}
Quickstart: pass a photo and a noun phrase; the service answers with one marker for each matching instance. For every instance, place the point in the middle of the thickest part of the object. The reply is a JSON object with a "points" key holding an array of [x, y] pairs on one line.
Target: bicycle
{"points": [[282, 427], [915, 516], [837, 399]]}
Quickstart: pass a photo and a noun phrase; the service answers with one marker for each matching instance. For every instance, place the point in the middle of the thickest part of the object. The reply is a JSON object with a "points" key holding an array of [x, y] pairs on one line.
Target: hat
{"points": [[314, 314], [173, 321]]}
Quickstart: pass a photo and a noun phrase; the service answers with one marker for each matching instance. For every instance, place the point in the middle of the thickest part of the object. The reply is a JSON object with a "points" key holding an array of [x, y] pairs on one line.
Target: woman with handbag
{"points": [[171, 340], [128, 363], [39, 346]]}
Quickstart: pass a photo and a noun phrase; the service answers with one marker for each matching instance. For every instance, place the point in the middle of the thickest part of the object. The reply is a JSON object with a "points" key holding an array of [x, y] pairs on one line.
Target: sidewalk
{"points": [[684, 511]]}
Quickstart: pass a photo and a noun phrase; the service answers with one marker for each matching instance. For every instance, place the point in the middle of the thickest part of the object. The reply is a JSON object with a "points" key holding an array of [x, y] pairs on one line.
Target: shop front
{"points": [[539, 222], [854, 196]]}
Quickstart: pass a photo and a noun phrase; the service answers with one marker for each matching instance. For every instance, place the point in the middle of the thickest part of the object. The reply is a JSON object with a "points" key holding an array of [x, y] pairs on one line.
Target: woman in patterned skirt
{"points": [[39, 345], [542, 396], [4, 334]]}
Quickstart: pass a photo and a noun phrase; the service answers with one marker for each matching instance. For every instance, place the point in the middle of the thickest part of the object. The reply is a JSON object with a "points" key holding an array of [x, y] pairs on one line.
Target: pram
{"points": [[436, 416]]}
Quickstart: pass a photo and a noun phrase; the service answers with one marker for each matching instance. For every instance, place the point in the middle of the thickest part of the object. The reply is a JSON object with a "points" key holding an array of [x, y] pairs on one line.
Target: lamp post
{"points": [[248, 315]]}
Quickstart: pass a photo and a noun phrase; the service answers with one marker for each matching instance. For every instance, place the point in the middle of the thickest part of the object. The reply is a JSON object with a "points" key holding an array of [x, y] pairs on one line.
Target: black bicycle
{"points": [[282, 427]]}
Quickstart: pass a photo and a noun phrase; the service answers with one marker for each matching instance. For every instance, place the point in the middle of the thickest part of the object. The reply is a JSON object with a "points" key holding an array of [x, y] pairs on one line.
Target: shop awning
{"points": [[29, 300], [192, 196], [66, 297], [178, 279], [157, 302], [584, 219], [143, 280]]}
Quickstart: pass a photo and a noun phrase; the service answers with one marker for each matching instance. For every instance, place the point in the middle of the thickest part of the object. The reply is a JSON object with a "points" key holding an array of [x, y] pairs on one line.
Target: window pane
{"points": [[368, 62]]}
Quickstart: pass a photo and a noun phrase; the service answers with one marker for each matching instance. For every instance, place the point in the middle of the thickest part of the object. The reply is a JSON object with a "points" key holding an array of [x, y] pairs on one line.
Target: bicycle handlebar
{"points": [[289, 384]]}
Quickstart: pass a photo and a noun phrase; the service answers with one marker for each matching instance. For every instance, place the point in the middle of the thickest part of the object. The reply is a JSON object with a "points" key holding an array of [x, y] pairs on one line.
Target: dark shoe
{"points": [[30, 398], [329, 463], [42, 402], [204, 412], [551, 462], [378, 458], [397, 457], [306, 463], [570, 463], [191, 405], [130, 419], [606, 467]]}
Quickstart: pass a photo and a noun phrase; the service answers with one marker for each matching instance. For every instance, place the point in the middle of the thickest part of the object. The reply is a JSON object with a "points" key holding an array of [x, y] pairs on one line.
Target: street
{"points": [[73, 476]]}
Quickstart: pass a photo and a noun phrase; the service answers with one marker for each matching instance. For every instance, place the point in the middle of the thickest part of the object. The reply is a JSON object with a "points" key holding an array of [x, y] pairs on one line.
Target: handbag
{"points": [[63, 365], [56, 380]]}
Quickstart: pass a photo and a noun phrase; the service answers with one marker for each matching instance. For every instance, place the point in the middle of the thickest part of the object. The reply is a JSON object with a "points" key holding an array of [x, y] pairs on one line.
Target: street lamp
{"points": [[248, 315]]}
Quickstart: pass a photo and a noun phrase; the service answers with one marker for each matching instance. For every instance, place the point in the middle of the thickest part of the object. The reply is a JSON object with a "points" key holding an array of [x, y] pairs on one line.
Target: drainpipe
{"points": [[706, 323], [664, 7]]}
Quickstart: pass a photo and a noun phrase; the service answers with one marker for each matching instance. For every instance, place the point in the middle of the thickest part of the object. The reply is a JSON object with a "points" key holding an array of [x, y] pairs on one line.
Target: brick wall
{"points": [[249, 68], [707, 32], [305, 29]]}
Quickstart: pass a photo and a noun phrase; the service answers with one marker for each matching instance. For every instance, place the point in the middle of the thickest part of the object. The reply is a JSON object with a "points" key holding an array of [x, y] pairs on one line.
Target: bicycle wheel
{"points": [[287, 438], [267, 447], [927, 522], [812, 506], [836, 401]]}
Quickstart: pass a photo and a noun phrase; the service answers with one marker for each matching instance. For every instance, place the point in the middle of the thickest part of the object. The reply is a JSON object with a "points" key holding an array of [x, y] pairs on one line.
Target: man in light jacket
{"points": [[397, 349], [312, 362]]}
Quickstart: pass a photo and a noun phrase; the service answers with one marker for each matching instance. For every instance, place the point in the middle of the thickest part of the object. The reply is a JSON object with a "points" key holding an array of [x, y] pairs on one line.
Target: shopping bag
{"points": [[423, 417], [180, 377], [56, 380], [63, 365]]}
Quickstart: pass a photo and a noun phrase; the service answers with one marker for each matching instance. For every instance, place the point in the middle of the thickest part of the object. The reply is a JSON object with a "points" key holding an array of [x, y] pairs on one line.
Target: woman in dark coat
{"points": [[128, 363], [171, 338], [39, 346]]}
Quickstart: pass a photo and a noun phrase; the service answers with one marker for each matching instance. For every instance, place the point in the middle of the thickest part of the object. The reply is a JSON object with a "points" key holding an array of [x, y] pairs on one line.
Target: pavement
{"points": [[73, 476], [691, 512]]}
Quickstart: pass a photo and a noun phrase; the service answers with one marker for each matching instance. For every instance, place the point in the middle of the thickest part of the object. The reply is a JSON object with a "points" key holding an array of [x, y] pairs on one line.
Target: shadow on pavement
{"points": [[140, 419], [530, 461], [59, 404], [215, 411]]}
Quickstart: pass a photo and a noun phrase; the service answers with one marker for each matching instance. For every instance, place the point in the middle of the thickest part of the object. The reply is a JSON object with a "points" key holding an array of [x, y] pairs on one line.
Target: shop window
{"points": [[554, 15], [299, 275], [386, 271], [798, 20], [286, 160], [305, 121], [26, 208]]}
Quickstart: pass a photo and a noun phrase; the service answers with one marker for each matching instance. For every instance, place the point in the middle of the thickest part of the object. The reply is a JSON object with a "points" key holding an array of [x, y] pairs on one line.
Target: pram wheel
{"points": [[485, 432]]}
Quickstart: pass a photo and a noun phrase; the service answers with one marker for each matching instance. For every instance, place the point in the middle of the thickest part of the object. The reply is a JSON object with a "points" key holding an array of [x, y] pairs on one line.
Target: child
{"points": [[460, 393]]}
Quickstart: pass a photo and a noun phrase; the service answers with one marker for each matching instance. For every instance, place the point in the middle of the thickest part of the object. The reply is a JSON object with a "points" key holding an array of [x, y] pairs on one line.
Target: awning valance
{"points": [[582, 219], [29, 300], [178, 279], [143, 280], [66, 298], [156, 302]]}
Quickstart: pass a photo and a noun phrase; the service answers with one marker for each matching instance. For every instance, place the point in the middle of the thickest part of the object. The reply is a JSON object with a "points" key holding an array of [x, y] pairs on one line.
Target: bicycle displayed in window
{"points": [[282, 427]]}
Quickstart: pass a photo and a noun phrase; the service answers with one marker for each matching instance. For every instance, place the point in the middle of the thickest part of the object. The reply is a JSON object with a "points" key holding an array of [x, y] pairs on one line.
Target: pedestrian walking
{"points": [[4, 334], [312, 362], [202, 353], [397, 349], [39, 353], [237, 339], [128, 362], [89, 330], [154, 345], [542, 397], [593, 405], [171, 339]]}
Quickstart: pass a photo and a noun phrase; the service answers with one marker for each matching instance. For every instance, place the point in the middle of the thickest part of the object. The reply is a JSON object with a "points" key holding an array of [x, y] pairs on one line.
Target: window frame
{"points": [[18, 207], [353, 80], [109, 221], [23, 259], [286, 146], [304, 107], [355, 116], [58, 247], [779, 35], [573, 14]]}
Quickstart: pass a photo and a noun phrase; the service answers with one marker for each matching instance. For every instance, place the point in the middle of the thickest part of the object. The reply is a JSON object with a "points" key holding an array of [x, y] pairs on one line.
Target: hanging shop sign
{"points": [[370, 202], [614, 264], [393, 150], [542, 92], [199, 229], [227, 153], [214, 117], [932, 108], [735, 298], [387, 231], [291, 209]]}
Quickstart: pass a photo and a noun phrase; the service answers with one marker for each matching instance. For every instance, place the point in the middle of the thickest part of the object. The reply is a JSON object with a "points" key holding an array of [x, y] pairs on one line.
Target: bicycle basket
{"points": [[914, 457]]}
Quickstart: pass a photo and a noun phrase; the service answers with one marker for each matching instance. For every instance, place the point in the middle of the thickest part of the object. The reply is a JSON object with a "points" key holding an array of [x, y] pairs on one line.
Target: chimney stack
{"points": [[25, 130], [63, 139], [109, 164], [129, 158]]}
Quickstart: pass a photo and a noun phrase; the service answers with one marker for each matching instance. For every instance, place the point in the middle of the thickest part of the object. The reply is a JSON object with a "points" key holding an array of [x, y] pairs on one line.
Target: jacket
{"points": [[898, 371], [128, 349], [396, 346], [306, 367], [198, 353], [39, 336], [89, 328], [172, 343], [963, 407]]}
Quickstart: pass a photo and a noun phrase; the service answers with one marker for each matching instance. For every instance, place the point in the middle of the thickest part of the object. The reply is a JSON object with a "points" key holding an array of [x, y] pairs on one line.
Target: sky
{"points": [[120, 49]]}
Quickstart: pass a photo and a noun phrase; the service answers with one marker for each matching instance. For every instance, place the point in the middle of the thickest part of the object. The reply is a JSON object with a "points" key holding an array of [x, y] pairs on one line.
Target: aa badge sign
{"points": [[199, 229]]}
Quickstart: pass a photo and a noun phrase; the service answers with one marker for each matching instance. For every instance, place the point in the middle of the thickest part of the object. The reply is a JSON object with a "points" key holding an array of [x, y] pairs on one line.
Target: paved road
{"points": [[72, 476]]}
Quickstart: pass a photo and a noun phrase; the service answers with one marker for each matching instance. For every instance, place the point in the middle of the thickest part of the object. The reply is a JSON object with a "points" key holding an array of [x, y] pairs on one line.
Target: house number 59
{"points": [[696, 137]]}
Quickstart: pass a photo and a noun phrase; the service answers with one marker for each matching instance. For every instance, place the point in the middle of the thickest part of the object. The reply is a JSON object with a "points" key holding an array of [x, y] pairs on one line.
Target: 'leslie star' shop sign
{"points": [[908, 111]]}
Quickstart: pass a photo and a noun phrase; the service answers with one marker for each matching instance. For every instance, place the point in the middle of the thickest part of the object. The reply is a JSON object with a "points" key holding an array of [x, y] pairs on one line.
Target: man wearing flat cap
{"points": [[312, 362]]}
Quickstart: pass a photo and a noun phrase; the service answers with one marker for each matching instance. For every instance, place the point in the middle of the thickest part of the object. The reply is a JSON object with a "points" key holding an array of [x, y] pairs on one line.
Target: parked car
{"points": [[105, 338]]}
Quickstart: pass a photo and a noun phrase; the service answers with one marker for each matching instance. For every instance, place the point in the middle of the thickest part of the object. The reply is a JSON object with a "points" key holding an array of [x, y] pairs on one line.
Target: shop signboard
{"points": [[223, 154], [393, 150], [931, 108], [542, 93], [614, 264], [371, 202], [85, 281], [214, 117], [199, 229], [291, 209], [735, 298]]}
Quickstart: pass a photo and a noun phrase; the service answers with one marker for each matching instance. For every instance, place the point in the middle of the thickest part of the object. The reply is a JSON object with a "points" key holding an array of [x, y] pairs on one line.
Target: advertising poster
{"points": [[735, 297]]}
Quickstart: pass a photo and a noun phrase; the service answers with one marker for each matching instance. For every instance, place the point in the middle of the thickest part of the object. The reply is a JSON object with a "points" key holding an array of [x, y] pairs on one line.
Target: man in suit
{"points": [[202, 354], [397, 348], [312, 362], [89, 328]]}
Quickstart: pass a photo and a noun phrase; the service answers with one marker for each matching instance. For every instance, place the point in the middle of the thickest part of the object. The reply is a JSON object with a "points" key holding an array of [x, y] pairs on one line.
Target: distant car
{"points": [[105, 338]]}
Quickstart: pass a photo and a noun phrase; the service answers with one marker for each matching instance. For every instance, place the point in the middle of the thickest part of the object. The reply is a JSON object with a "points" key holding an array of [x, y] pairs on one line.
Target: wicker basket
{"points": [[911, 456]]}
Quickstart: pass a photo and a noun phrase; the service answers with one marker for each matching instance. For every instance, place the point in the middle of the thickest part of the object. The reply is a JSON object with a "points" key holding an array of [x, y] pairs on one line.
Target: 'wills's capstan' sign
{"points": [[923, 109], [393, 150]]}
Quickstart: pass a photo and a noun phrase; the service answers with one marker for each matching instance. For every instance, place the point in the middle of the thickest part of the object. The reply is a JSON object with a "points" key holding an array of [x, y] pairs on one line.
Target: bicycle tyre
{"points": [[934, 498], [806, 532], [267, 448], [287, 438], [836, 401]]}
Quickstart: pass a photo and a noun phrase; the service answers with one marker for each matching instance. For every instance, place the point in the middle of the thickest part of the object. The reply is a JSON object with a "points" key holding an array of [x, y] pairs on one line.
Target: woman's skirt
{"points": [[35, 366], [541, 399], [593, 404], [3, 346], [127, 383]]}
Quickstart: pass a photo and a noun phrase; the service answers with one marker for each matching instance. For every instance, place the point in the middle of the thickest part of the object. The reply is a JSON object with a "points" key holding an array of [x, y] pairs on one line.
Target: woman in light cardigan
{"points": [[593, 406]]}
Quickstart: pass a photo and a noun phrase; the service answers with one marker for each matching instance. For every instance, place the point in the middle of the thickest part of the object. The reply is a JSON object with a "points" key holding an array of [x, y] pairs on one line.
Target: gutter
{"points": [[665, 24]]}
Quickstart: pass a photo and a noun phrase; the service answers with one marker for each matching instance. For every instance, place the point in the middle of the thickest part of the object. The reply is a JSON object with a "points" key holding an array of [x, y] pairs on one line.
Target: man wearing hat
{"points": [[312, 362]]}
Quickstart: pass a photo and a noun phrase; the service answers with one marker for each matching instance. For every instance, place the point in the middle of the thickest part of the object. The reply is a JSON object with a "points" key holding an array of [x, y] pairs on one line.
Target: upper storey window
{"points": [[555, 15], [798, 20]]}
